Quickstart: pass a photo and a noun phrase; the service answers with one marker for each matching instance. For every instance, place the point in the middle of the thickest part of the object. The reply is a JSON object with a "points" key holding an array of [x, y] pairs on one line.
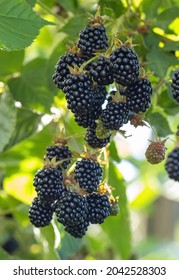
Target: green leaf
{"points": [[11, 62], [118, 227], [160, 123], [69, 5], [47, 237], [167, 16], [31, 88], [150, 8], [113, 153], [27, 124], [159, 61], [74, 25], [116, 6], [31, 2], [7, 119], [168, 104], [19, 25], [4, 255]]}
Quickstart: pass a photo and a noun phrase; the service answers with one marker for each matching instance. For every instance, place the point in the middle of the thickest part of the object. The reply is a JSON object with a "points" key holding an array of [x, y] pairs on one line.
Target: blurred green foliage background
{"points": [[32, 110]]}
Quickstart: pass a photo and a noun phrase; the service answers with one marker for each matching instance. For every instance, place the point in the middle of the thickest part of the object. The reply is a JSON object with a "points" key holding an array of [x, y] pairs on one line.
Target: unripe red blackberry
{"points": [[115, 115], [94, 141], [71, 209], [48, 184], [172, 164], [125, 66], [60, 152], [138, 96], [40, 214], [62, 70], [88, 174], [155, 152], [175, 85], [99, 208], [79, 93], [78, 230], [101, 71]]}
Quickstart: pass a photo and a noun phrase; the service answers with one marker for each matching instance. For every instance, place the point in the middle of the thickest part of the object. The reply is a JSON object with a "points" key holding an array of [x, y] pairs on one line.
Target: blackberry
{"points": [[48, 184], [88, 174], [138, 96], [99, 208], [88, 119], [125, 66], [155, 152], [94, 141], [101, 71], [175, 85], [40, 215], [62, 70], [172, 164], [92, 39], [115, 115], [60, 152], [71, 209], [78, 230], [79, 93]]}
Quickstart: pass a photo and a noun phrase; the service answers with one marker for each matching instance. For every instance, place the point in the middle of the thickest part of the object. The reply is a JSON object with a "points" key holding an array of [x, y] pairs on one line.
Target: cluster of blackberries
{"points": [[175, 85], [83, 75], [76, 200]]}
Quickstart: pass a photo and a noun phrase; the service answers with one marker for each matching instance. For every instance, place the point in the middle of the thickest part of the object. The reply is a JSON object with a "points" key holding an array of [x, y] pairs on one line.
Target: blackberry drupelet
{"points": [[94, 141], [62, 70], [115, 115], [101, 71], [172, 164], [138, 96], [93, 38], [71, 209], [48, 184], [40, 215], [175, 85], [99, 208], [60, 152], [125, 66], [88, 174], [79, 93], [78, 230]]}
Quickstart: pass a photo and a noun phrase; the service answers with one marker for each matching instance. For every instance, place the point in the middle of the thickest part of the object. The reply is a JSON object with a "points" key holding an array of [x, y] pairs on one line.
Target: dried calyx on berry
{"points": [[93, 37]]}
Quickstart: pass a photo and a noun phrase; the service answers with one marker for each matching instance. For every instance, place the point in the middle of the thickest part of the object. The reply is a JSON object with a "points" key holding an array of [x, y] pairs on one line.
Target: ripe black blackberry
{"points": [[138, 96], [93, 38], [94, 141], [101, 71], [62, 70], [99, 208], [172, 164], [125, 66], [40, 214], [71, 209], [175, 85], [79, 93], [60, 152], [115, 115], [88, 119], [88, 174], [48, 184], [78, 230]]}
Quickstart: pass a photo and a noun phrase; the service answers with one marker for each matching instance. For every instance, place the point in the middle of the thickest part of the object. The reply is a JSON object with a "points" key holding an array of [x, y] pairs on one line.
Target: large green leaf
{"points": [[31, 88], [7, 119], [74, 26], [27, 124], [11, 62], [118, 227], [160, 123], [19, 24], [168, 104], [167, 16]]}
